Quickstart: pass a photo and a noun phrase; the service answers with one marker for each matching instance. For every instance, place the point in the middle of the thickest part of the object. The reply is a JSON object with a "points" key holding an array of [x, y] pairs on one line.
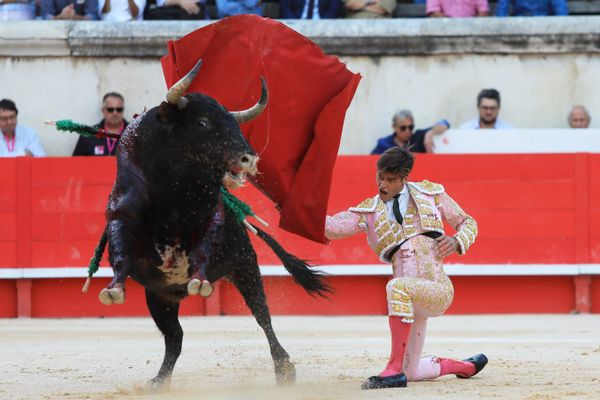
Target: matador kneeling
{"points": [[404, 226]]}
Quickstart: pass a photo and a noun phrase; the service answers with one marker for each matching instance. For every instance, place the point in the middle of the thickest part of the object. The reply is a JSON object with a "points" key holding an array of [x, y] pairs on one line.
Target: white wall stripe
{"points": [[344, 270]]}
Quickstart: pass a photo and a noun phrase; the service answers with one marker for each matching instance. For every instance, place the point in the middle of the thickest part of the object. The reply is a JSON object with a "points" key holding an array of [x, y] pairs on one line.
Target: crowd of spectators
{"points": [[19, 140], [488, 108], [131, 10]]}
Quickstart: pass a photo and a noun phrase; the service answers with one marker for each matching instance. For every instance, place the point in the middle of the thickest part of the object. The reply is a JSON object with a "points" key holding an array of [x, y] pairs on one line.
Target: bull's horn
{"points": [[175, 94], [255, 110]]}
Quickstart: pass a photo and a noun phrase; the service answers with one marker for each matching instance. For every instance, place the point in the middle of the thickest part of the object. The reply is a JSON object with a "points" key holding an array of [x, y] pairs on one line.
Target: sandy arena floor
{"points": [[531, 357]]}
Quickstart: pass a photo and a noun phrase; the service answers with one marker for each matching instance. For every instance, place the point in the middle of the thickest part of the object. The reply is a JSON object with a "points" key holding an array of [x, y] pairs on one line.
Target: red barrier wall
{"points": [[531, 209]]}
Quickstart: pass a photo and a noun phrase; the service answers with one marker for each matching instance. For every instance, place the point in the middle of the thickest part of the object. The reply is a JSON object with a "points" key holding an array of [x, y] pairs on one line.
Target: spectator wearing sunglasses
{"points": [[113, 105], [405, 136], [488, 106]]}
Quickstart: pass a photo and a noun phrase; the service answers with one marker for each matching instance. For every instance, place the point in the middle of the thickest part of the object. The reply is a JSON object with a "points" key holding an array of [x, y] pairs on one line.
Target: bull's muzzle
{"points": [[246, 164]]}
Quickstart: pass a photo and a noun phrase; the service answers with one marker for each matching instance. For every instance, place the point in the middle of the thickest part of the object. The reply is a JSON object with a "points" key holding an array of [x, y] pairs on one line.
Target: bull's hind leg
{"points": [[249, 283], [165, 315]]}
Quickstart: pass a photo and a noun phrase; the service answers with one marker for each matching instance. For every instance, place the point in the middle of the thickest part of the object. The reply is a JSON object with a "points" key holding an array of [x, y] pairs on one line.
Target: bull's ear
{"points": [[167, 113]]}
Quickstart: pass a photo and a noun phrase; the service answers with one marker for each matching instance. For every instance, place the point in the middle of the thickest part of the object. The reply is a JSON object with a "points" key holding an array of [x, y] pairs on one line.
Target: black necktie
{"points": [[396, 209]]}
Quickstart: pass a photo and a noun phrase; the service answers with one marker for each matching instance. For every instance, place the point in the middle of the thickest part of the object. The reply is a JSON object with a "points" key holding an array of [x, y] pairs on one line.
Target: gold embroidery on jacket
{"points": [[430, 216], [390, 233]]}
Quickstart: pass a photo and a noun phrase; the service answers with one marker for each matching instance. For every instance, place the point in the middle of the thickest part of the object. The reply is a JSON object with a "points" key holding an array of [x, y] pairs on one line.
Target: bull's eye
{"points": [[203, 123]]}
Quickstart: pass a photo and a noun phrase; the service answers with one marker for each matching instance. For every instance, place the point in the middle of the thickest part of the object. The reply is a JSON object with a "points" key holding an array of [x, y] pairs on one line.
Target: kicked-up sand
{"points": [[532, 357]]}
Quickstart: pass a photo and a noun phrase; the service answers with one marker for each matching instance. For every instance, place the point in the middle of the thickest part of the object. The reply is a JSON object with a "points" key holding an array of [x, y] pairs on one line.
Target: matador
{"points": [[404, 226]]}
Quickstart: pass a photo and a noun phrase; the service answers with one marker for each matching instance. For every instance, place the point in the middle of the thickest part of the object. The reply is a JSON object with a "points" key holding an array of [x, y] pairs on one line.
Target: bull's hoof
{"points": [[387, 382], [193, 286], [285, 373], [112, 296], [203, 288], [157, 384], [206, 289]]}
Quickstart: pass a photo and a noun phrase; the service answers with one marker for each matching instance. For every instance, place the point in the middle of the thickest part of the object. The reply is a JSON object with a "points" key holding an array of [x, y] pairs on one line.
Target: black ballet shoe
{"points": [[385, 382], [479, 361]]}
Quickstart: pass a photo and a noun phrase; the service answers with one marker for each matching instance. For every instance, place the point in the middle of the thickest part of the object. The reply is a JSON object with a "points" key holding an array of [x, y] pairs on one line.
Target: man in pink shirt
{"points": [[457, 8]]}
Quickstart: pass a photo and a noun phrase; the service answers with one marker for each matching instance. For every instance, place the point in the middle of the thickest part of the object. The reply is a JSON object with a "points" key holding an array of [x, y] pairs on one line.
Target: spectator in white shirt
{"points": [[121, 10], [18, 140], [488, 105]]}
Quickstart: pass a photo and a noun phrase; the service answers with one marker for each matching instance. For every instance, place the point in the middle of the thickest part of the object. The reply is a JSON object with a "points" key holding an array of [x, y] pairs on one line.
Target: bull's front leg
{"points": [[200, 255], [121, 260], [125, 215]]}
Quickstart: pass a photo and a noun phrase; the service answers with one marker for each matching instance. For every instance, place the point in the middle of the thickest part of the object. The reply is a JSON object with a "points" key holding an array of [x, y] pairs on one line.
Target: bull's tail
{"points": [[314, 282]]}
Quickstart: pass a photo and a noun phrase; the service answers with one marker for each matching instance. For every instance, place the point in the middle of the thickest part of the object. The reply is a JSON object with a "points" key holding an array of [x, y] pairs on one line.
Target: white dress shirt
{"points": [[402, 202], [119, 10], [474, 124], [25, 140]]}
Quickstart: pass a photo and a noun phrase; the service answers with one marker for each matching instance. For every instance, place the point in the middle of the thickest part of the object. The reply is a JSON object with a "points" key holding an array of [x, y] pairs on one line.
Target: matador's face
{"points": [[389, 184]]}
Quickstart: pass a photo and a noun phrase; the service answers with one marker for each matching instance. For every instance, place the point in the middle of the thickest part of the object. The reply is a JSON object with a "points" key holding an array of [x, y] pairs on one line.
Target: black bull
{"points": [[167, 227]]}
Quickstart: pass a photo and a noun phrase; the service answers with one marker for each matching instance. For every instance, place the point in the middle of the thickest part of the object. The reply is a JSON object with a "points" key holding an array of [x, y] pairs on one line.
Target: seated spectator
{"points": [[174, 9], [579, 118], [421, 141], [17, 10], [70, 9], [488, 105], [227, 8], [532, 8], [457, 8], [309, 9], [121, 10], [113, 105], [370, 8], [18, 139]]}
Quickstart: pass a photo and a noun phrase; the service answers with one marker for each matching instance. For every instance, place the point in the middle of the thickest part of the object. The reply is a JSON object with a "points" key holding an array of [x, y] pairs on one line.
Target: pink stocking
{"points": [[400, 331], [462, 368]]}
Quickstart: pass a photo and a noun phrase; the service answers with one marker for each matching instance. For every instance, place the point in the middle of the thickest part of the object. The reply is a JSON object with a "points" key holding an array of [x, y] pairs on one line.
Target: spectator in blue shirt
{"points": [[532, 8], [227, 8], [309, 9], [70, 9], [405, 136]]}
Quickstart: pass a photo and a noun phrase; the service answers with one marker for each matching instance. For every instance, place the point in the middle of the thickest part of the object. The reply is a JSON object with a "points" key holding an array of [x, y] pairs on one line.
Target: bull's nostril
{"points": [[245, 159]]}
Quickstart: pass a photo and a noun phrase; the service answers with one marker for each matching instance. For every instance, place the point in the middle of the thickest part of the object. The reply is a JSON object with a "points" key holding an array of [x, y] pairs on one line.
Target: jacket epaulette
{"points": [[427, 187], [367, 206]]}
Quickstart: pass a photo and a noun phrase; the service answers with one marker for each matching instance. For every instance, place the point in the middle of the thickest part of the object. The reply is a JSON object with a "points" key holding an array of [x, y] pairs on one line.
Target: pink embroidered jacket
{"points": [[428, 207]]}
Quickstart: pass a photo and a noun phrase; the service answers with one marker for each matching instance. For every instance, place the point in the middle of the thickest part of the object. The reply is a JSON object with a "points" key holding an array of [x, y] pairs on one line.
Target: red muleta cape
{"points": [[297, 137]]}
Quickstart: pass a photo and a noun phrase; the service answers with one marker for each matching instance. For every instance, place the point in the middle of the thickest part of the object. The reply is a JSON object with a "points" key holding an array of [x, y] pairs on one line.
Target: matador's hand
{"points": [[447, 245]]}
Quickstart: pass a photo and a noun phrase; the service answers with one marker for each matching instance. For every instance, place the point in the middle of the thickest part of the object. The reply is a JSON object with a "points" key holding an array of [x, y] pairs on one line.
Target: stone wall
{"points": [[435, 67]]}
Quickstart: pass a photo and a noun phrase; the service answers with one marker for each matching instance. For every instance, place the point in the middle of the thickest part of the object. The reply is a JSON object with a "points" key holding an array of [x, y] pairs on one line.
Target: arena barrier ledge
{"points": [[529, 286]]}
